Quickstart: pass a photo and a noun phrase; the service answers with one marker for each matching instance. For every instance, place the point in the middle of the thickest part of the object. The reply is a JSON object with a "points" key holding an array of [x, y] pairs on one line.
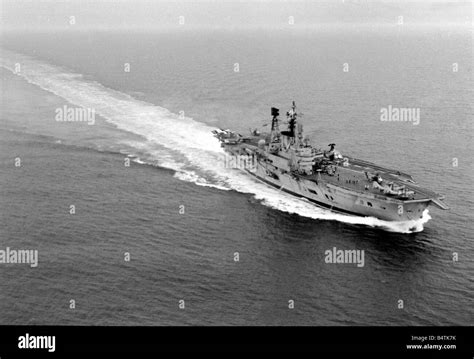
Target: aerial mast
{"points": [[274, 145]]}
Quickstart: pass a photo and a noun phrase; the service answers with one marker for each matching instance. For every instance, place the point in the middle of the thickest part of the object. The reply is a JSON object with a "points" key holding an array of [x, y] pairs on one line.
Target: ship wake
{"points": [[176, 142]]}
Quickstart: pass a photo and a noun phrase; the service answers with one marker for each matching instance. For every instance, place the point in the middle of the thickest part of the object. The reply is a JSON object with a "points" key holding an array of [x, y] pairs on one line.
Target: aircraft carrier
{"points": [[287, 161]]}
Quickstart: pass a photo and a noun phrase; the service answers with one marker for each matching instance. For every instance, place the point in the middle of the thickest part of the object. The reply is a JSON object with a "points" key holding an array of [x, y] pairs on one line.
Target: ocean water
{"points": [[180, 86]]}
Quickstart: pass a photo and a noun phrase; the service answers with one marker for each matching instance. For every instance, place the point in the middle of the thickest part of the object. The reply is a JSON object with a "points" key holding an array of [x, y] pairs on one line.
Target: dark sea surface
{"points": [[181, 85]]}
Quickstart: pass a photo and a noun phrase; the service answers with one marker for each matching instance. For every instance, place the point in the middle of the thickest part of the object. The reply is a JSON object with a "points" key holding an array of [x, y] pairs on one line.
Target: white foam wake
{"points": [[187, 146]]}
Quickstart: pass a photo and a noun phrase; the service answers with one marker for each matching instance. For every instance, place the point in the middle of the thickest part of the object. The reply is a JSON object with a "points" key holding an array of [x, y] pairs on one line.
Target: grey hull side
{"points": [[339, 199]]}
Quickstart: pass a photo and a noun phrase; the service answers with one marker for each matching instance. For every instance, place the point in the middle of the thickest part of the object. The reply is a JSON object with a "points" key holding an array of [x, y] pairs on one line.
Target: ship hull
{"points": [[339, 200]]}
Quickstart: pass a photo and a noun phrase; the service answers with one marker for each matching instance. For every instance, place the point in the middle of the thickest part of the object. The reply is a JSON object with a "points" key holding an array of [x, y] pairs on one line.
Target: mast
{"points": [[275, 144], [291, 115], [289, 135], [285, 138], [275, 125]]}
